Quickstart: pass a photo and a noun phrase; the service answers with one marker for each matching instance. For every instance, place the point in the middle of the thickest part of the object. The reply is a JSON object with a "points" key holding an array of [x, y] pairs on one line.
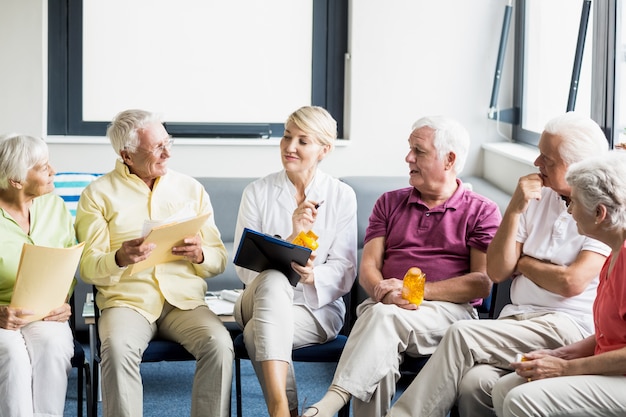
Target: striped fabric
{"points": [[69, 185]]}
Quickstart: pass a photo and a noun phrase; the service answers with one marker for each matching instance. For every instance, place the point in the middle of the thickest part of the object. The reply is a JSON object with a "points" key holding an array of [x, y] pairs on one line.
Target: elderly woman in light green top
{"points": [[34, 357]]}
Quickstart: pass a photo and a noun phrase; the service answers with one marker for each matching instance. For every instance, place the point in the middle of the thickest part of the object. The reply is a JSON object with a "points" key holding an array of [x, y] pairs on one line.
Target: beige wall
{"points": [[408, 58]]}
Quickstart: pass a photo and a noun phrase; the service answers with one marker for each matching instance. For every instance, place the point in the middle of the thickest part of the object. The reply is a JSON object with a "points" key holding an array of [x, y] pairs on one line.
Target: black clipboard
{"points": [[259, 251]]}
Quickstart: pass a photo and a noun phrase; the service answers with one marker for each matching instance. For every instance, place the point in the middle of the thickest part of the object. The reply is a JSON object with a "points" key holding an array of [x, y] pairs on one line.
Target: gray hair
{"points": [[601, 180], [450, 136], [582, 137], [123, 130], [317, 122], [18, 154]]}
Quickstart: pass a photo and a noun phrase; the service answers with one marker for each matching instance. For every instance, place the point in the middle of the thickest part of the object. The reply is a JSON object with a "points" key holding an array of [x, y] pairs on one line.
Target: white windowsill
{"points": [[506, 162], [525, 154]]}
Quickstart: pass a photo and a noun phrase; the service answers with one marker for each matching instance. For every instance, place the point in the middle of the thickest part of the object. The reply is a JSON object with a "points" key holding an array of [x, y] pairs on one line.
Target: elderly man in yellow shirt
{"points": [[167, 299]]}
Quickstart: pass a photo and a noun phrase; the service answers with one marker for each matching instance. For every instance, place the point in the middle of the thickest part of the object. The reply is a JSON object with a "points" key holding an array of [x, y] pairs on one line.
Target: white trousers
{"points": [[369, 366], [471, 358], [273, 326], [34, 365], [571, 396], [125, 334]]}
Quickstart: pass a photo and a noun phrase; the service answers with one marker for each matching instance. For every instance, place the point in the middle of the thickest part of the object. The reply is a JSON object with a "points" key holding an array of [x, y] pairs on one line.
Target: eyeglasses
{"points": [[159, 149]]}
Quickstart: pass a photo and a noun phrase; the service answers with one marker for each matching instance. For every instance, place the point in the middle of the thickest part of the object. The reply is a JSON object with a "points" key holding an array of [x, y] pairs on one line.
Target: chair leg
{"points": [[238, 386], [79, 391], [95, 375], [88, 391]]}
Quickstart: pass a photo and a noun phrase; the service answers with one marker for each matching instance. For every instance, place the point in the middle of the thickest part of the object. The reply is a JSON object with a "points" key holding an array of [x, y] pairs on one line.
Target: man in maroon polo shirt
{"points": [[441, 227]]}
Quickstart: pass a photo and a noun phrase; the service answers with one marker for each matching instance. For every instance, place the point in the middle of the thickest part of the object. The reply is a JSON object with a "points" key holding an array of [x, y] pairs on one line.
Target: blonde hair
{"points": [[317, 122]]}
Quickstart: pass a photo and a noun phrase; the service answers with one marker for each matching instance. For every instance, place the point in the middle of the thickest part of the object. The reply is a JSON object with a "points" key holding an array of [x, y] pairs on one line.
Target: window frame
{"points": [[603, 75], [65, 77]]}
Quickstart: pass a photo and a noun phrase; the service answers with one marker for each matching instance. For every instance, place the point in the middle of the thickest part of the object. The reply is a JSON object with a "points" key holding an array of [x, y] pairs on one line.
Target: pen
{"points": [[319, 204]]}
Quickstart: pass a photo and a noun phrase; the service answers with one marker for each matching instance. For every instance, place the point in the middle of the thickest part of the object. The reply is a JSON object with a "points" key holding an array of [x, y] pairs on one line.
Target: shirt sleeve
{"points": [[336, 272], [488, 221]]}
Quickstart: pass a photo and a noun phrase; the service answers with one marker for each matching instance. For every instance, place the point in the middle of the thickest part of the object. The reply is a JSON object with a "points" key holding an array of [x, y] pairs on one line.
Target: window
{"points": [[214, 69], [553, 46]]}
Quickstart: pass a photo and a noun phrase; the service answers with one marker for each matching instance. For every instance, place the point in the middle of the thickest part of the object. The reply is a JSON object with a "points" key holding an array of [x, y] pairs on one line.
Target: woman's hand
{"points": [[11, 318], [307, 275], [303, 218], [61, 314], [540, 364], [191, 249]]}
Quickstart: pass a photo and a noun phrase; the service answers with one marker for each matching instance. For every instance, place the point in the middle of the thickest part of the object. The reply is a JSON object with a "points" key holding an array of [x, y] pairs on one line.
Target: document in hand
{"points": [[166, 237], [44, 278], [258, 252]]}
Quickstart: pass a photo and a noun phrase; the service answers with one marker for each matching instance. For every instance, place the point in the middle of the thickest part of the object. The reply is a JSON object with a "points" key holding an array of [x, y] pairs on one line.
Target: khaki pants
{"points": [[274, 326], [472, 357], [580, 396], [125, 335], [382, 335]]}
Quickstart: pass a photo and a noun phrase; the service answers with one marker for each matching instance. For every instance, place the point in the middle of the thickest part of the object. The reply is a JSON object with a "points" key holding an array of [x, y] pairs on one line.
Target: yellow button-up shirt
{"points": [[112, 209]]}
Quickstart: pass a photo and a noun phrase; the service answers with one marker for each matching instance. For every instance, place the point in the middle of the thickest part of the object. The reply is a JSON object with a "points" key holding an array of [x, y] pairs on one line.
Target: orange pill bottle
{"points": [[308, 240], [413, 286]]}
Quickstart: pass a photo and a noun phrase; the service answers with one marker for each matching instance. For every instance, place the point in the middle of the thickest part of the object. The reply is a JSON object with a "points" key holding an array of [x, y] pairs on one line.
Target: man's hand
{"points": [[191, 249], [389, 291], [528, 188], [133, 251]]}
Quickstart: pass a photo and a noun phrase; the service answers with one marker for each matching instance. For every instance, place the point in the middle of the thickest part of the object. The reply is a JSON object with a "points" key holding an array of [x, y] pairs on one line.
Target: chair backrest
{"points": [[69, 186]]}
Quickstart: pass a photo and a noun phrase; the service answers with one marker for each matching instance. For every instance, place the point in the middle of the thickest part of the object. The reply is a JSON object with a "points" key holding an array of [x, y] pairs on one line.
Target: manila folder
{"points": [[44, 278], [166, 237]]}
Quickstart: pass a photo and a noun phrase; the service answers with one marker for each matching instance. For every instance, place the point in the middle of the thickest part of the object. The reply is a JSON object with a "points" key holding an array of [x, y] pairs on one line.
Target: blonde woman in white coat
{"points": [[275, 316]]}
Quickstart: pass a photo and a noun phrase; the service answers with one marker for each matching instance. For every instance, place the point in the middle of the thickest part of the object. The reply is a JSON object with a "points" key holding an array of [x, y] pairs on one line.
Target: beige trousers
{"points": [[382, 335], [125, 335], [274, 326], [471, 358], [579, 396]]}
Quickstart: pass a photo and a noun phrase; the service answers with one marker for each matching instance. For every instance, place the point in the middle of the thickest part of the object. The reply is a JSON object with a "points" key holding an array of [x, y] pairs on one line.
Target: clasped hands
{"points": [[16, 318], [134, 250], [389, 291]]}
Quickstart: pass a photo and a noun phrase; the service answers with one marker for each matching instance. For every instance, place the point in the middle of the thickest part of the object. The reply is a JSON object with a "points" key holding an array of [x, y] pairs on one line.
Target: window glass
{"points": [[217, 69], [197, 60], [550, 35]]}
